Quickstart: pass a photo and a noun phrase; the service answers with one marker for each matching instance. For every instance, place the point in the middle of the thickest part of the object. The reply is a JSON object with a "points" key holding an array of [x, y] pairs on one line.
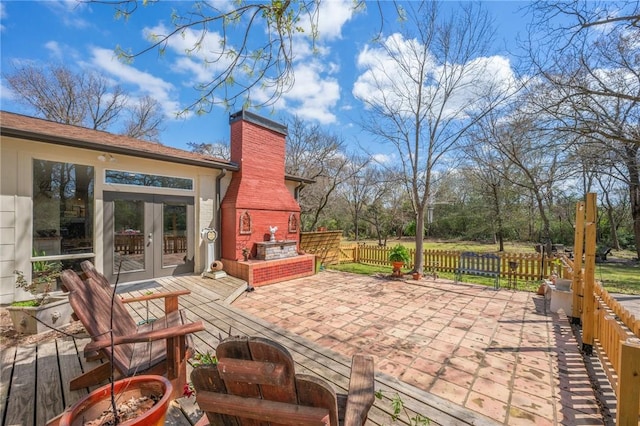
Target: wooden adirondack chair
{"points": [[254, 383], [159, 347]]}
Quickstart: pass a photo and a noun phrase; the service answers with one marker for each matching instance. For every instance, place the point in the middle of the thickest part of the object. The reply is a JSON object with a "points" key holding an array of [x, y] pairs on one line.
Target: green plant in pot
{"points": [[41, 312], [398, 255]]}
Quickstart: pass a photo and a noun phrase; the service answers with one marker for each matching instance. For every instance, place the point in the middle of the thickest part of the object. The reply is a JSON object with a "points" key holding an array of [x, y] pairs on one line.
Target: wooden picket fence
{"points": [[607, 326], [617, 338], [520, 266]]}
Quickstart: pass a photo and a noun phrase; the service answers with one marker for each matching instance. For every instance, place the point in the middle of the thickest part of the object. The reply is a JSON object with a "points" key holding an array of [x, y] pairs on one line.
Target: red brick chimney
{"points": [[257, 198]]}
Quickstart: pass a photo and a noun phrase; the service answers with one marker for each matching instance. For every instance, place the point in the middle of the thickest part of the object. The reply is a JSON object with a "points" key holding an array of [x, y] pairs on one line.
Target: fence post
{"points": [[588, 311], [578, 250], [629, 383]]}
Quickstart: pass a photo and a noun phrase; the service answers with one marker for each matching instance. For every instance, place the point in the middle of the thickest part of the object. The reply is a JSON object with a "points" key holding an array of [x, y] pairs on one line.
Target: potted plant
{"points": [[42, 312], [145, 400], [398, 255]]}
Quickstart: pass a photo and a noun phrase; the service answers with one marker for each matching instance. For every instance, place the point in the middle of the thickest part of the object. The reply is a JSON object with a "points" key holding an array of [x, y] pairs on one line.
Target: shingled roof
{"points": [[40, 130]]}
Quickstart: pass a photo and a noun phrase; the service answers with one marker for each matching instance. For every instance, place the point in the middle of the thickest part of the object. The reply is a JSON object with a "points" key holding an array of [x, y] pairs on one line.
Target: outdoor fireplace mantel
{"points": [[270, 250]]}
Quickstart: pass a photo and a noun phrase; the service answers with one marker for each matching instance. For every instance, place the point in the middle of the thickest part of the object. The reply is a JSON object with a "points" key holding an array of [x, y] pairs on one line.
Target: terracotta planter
{"points": [[92, 405], [397, 266], [417, 276], [39, 319]]}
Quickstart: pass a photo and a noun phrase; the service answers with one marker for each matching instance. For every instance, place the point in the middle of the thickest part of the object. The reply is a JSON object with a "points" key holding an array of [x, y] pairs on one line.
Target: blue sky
{"points": [[84, 36]]}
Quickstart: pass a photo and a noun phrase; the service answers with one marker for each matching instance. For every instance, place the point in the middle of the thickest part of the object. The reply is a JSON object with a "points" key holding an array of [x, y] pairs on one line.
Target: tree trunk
{"points": [[496, 206], [418, 262], [615, 243], [634, 191], [355, 222]]}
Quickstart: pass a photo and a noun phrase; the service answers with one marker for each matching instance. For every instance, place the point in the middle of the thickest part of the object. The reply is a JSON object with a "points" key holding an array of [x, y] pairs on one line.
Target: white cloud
{"points": [[209, 47], [312, 96], [331, 18], [146, 83], [3, 16], [315, 90], [6, 94], [388, 77], [68, 11], [383, 158], [54, 48]]}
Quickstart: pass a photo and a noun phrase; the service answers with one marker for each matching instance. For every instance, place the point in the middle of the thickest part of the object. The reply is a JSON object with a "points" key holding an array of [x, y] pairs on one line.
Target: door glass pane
{"points": [[129, 239], [174, 234]]}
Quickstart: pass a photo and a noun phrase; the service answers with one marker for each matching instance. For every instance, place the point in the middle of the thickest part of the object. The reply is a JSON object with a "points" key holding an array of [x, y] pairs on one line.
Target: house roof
{"points": [[40, 130]]}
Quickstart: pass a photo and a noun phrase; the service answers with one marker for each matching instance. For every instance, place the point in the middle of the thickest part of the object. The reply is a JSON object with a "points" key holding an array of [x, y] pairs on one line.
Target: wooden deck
{"points": [[34, 379]]}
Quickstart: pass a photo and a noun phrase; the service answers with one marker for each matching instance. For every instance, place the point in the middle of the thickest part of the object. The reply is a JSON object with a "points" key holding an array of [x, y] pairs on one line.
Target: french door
{"points": [[147, 235]]}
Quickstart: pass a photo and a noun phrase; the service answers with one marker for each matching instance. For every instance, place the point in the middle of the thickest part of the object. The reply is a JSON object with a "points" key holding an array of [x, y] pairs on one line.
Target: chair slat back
{"points": [[257, 369], [91, 302]]}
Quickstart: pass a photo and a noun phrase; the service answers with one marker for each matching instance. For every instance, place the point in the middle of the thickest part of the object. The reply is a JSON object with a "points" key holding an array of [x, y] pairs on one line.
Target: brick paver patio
{"points": [[494, 352]]}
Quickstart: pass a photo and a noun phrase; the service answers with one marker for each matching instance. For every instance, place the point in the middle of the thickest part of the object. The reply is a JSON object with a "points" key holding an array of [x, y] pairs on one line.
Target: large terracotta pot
{"points": [[92, 405]]}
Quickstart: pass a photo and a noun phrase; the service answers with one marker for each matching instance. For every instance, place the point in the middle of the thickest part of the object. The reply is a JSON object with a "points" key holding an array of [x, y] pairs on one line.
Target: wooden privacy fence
{"points": [[521, 266], [324, 244]]}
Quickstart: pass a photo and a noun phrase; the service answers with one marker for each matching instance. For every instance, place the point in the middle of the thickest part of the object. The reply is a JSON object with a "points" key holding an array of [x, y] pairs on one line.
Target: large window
{"points": [[62, 208]]}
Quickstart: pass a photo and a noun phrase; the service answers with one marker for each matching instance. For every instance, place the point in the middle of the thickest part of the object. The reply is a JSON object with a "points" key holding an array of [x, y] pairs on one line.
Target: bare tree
{"points": [[218, 150], [145, 121], [593, 65], [83, 99], [424, 89], [317, 155], [491, 170], [361, 189], [54, 93], [384, 212]]}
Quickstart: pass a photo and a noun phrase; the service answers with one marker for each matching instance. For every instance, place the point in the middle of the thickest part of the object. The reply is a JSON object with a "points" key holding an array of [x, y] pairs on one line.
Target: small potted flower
{"points": [[398, 255], [42, 312]]}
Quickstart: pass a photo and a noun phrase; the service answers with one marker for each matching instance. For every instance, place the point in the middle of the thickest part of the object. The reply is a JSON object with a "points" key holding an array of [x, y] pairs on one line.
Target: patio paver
{"points": [[489, 351]]}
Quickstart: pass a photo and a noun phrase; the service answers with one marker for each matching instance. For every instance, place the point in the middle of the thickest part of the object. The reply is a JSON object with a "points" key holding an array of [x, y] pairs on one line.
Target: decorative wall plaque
{"points": [[245, 223], [293, 223]]}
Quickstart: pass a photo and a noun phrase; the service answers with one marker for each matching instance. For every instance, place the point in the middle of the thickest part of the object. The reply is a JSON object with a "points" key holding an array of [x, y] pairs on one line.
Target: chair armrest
{"points": [[361, 390], [153, 296], [148, 336], [170, 299]]}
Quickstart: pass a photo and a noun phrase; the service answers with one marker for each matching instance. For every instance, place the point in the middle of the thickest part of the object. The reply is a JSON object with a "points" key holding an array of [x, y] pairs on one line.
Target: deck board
{"points": [[7, 357], [69, 362], [49, 395], [57, 362], [21, 407]]}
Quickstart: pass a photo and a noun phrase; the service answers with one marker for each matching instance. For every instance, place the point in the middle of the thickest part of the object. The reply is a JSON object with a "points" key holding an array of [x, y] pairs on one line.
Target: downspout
{"points": [[296, 191], [218, 218]]}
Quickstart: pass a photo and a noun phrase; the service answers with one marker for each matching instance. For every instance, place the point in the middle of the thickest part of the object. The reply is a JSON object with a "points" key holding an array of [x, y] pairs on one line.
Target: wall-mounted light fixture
{"points": [[106, 157]]}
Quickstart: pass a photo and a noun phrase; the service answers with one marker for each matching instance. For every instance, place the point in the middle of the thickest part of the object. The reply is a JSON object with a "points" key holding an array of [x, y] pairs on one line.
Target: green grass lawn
{"points": [[616, 278], [456, 245], [619, 278]]}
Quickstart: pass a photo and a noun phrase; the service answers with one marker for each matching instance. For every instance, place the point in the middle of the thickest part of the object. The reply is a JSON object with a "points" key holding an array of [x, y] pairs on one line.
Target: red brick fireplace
{"points": [[256, 203]]}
